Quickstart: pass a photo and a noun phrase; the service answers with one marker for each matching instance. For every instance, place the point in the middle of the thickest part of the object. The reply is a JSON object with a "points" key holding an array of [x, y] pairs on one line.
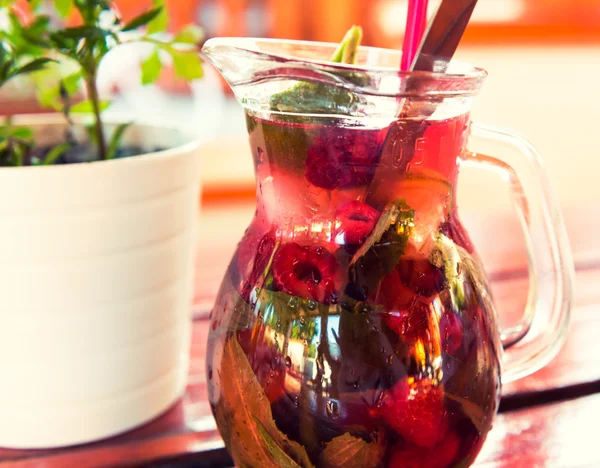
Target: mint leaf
{"points": [[191, 34], [160, 22], [187, 64], [243, 413], [316, 98], [283, 459], [63, 7], [151, 68], [398, 214], [142, 19], [382, 250], [447, 256], [347, 451], [84, 107], [346, 51]]}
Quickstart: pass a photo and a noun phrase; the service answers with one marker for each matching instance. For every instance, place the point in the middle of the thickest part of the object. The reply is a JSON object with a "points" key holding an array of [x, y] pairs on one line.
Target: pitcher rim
{"points": [[241, 46]]}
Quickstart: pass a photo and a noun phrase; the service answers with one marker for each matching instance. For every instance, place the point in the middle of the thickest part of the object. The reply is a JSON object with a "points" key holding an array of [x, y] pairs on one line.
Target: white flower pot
{"points": [[96, 273]]}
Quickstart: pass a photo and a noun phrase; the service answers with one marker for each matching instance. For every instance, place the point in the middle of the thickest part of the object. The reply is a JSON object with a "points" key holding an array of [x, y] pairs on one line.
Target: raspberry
{"points": [[422, 277], [451, 331], [354, 222], [443, 455], [393, 294], [342, 158], [410, 324], [306, 272], [416, 411]]}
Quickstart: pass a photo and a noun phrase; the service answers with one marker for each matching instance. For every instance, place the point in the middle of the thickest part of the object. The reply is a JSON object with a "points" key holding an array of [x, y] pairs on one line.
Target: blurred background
{"points": [[543, 59]]}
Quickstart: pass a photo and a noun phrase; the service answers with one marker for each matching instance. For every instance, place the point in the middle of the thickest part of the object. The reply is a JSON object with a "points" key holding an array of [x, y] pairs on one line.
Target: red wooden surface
{"points": [[552, 425]]}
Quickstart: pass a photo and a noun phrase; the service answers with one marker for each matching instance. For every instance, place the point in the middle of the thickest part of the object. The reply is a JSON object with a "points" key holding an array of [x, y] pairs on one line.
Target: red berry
{"points": [[451, 331], [422, 277], [410, 324], [393, 294], [354, 222], [342, 158], [306, 272], [416, 411], [443, 455]]}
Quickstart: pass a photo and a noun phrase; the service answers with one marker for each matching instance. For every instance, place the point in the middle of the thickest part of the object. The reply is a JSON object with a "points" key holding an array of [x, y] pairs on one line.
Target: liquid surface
{"points": [[354, 327]]}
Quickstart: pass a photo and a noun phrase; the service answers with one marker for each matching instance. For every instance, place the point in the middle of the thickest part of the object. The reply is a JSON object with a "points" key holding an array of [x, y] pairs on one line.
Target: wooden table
{"points": [[546, 420]]}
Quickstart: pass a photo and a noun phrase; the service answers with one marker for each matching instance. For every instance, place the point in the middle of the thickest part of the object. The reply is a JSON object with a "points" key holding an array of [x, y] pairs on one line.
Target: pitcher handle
{"points": [[540, 334]]}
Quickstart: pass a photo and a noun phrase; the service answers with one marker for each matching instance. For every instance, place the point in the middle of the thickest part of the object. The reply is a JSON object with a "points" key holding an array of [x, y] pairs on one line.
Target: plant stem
{"points": [[90, 83]]}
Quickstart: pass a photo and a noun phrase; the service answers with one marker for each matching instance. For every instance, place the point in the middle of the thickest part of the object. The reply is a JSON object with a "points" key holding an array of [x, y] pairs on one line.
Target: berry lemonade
{"points": [[354, 327]]}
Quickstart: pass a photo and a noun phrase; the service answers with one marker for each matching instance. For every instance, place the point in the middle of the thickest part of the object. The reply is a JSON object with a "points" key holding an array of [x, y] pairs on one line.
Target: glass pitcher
{"points": [[355, 325]]}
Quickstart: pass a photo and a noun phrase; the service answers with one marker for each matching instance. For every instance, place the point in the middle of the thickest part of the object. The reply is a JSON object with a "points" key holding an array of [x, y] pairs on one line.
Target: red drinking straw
{"points": [[415, 27]]}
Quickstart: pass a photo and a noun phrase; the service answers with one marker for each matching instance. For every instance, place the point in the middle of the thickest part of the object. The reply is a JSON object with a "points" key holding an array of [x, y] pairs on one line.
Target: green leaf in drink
{"points": [[320, 98]]}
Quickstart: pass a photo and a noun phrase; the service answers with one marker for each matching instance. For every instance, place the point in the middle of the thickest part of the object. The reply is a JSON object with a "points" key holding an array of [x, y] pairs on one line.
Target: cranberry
{"points": [[306, 272], [343, 158], [354, 222], [416, 411], [422, 277]]}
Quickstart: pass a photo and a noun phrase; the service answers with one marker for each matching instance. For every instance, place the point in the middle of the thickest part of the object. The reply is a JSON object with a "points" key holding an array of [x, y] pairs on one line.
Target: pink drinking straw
{"points": [[415, 27]]}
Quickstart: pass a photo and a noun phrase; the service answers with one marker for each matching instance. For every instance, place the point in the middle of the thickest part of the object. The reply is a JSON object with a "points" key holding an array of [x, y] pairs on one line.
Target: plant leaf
{"points": [[71, 82], [475, 413], [63, 7], [34, 4], [318, 98], [187, 64], [390, 216], [21, 132], [115, 140], [347, 451], [447, 256], [242, 405], [161, 21], [381, 251], [55, 153], [142, 19], [282, 458], [191, 34], [78, 33], [84, 107], [35, 65], [151, 68], [346, 51]]}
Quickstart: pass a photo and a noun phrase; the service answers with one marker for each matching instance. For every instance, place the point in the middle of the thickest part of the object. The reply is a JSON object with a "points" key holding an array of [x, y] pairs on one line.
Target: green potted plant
{"points": [[97, 234]]}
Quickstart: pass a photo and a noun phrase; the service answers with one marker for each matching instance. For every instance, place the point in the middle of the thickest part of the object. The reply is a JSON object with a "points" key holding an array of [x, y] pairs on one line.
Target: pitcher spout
{"points": [[261, 73]]}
